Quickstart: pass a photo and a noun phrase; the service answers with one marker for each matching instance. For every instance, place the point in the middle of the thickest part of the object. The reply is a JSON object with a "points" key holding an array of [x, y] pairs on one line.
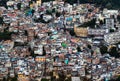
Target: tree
{"points": [[68, 79], [103, 49], [44, 79], [4, 79], [78, 49], [33, 11], [49, 12], [19, 6], [1, 20], [46, 0], [113, 52], [101, 22], [5, 35], [118, 18], [89, 46], [117, 79], [49, 33], [90, 24], [44, 51], [61, 76], [108, 5], [53, 10], [72, 33], [58, 14], [14, 79], [112, 30]]}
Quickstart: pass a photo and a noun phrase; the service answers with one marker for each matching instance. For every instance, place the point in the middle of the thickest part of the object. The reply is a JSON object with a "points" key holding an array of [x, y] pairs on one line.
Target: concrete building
{"points": [[76, 79], [99, 32], [81, 31], [112, 37], [109, 23]]}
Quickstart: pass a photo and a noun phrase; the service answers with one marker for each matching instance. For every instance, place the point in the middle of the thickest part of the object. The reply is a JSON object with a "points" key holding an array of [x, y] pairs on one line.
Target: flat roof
{"points": [[76, 79]]}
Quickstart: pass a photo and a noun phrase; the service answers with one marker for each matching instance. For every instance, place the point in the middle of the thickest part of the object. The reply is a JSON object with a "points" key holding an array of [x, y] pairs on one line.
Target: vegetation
{"points": [[71, 31], [103, 49], [90, 24], [49, 12], [44, 79], [62, 76], [1, 20], [5, 35], [44, 51], [112, 30], [15, 78], [78, 49], [114, 52], [118, 79], [58, 14], [118, 18], [110, 4], [113, 4], [89, 46]]}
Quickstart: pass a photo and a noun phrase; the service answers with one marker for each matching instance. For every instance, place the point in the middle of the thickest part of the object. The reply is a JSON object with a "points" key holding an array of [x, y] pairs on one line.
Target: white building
{"points": [[97, 31], [76, 79], [112, 37], [109, 23], [111, 12]]}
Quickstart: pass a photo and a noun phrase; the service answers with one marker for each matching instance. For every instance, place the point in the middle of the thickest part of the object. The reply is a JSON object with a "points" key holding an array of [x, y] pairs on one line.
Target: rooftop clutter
{"points": [[41, 40]]}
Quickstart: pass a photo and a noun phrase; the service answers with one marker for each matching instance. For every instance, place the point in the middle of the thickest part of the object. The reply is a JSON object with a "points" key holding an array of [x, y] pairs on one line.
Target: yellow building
{"points": [[22, 77], [81, 31], [40, 59], [38, 2]]}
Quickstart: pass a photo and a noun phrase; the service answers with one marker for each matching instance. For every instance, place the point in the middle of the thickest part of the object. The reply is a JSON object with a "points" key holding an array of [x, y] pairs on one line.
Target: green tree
{"points": [[44, 51], [78, 49], [61, 76], [5, 35], [113, 52], [4, 79], [101, 22], [90, 24], [1, 20], [118, 18], [89, 46], [103, 49], [58, 14], [68, 79], [118, 79], [112, 30], [108, 5], [49, 12], [19, 6], [44, 79]]}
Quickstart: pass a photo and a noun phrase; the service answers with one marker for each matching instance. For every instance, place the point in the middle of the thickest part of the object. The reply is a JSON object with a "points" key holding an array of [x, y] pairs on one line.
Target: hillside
{"points": [[110, 4]]}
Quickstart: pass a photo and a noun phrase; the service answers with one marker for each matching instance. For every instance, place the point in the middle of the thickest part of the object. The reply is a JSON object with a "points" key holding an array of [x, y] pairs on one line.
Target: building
{"points": [[111, 12], [38, 2], [97, 32], [112, 37], [81, 31], [40, 59], [38, 50], [76, 79], [109, 23]]}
